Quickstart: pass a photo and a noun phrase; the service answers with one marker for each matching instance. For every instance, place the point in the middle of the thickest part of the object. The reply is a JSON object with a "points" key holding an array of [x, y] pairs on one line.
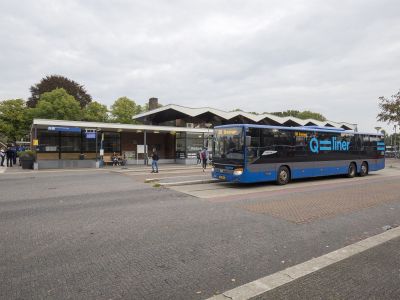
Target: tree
{"points": [[50, 83], [95, 112], [390, 109], [58, 105], [14, 119], [300, 114], [248, 112], [124, 109]]}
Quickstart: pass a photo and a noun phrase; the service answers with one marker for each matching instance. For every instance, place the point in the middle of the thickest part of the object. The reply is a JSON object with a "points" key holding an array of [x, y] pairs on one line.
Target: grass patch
{"points": [[156, 185]]}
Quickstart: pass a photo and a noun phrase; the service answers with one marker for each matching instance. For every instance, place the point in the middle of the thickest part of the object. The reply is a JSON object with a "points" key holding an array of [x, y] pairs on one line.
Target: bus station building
{"points": [[177, 133]]}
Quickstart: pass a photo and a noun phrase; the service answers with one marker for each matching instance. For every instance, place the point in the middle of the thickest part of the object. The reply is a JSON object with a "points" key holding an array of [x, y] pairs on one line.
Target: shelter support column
{"points": [[145, 146]]}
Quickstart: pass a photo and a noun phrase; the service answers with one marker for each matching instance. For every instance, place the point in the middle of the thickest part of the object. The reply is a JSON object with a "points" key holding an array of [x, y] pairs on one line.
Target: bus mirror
{"points": [[248, 140]]}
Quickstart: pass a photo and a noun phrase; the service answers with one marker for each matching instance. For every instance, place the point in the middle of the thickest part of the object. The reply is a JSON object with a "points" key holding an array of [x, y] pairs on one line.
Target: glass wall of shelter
{"points": [[70, 145], [189, 144], [54, 145]]}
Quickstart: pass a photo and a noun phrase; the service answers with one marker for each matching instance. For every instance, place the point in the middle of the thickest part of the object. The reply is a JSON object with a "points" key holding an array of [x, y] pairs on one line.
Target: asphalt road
{"points": [[105, 235]]}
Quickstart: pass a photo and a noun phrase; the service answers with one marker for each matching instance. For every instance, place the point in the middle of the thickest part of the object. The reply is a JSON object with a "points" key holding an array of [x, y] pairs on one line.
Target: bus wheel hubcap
{"points": [[283, 176]]}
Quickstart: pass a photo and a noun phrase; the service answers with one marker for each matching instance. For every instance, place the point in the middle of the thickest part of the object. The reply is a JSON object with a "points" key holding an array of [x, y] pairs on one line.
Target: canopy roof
{"points": [[172, 112], [45, 123]]}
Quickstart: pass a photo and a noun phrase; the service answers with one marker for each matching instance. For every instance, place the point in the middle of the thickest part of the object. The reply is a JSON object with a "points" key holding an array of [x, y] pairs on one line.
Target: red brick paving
{"points": [[308, 206]]}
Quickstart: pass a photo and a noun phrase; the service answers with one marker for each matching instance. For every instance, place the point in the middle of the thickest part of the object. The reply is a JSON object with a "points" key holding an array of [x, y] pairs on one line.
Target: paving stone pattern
{"points": [[308, 206], [373, 274], [101, 235]]}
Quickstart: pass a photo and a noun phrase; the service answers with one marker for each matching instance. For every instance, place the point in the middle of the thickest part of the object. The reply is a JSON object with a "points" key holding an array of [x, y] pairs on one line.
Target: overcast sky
{"points": [[333, 57]]}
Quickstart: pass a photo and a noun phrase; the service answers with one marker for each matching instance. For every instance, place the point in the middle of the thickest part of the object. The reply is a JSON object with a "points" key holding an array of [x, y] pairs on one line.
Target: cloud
{"points": [[330, 57]]}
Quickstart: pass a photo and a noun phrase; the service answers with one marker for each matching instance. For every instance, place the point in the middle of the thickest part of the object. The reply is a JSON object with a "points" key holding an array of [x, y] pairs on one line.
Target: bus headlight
{"points": [[238, 172]]}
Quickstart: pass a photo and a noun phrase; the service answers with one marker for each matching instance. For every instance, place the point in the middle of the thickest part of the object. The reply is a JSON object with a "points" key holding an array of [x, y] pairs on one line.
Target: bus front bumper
{"points": [[230, 177]]}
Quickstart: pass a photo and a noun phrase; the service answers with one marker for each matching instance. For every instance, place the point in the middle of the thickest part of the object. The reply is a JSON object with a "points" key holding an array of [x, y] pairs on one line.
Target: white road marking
{"points": [[189, 182], [270, 282], [2, 169], [148, 180]]}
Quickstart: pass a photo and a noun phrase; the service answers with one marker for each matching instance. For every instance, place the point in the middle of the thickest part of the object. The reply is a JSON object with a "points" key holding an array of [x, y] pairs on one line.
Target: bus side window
{"points": [[301, 142], [252, 144], [267, 139]]}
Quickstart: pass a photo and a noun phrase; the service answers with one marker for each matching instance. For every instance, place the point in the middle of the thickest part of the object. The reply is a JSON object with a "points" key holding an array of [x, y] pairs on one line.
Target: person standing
{"points": [[14, 153], [2, 156], [9, 157], [198, 157], [204, 157], [154, 163]]}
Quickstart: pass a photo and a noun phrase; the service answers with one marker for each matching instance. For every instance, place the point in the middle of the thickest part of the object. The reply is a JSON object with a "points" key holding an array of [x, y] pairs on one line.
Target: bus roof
{"points": [[302, 128]]}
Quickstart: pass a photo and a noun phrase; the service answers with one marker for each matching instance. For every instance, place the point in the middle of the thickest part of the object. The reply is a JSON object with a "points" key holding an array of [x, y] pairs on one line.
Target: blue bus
{"points": [[248, 153]]}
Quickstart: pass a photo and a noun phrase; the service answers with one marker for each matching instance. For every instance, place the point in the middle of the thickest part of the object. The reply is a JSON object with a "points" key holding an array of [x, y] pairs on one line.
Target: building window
{"points": [[48, 141], [70, 142], [181, 145], [112, 142], [194, 144], [188, 144], [89, 145]]}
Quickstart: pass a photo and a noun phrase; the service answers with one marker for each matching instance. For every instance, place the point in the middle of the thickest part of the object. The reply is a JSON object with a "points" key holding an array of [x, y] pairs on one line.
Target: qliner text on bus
{"points": [[328, 145], [255, 153]]}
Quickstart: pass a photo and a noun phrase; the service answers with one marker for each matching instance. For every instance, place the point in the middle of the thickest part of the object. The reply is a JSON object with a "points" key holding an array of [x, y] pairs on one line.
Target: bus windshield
{"points": [[228, 146]]}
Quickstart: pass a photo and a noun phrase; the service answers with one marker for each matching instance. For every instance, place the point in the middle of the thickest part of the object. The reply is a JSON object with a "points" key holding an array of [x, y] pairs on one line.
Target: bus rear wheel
{"points": [[364, 169], [283, 176], [351, 171]]}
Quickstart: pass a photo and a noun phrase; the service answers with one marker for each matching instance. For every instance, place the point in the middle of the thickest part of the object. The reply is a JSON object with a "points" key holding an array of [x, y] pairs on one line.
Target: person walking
{"points": [[204, 157], [9, 157], [2, 157], [154, 163]]}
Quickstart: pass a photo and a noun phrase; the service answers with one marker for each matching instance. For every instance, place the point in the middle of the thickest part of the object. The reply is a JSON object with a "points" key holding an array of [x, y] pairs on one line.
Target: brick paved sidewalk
{"points": [[373, 274]]}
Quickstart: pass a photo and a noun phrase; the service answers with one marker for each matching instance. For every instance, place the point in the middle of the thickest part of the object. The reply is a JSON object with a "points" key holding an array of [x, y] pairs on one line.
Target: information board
{"points": [[140, 149], [90, 135], [64, 129]]}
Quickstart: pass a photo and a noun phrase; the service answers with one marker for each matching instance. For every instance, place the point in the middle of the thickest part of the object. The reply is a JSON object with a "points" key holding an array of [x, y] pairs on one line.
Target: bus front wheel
{"points": [[351, 171], [283, 176]]}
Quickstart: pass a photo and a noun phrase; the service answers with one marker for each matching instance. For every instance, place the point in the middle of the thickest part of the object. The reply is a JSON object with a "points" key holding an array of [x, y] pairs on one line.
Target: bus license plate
{"points": [[221, 177]]}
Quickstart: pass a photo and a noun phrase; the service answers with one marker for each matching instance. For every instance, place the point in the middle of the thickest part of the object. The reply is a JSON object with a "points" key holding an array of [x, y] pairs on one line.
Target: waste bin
{"points": [[81, 156]]}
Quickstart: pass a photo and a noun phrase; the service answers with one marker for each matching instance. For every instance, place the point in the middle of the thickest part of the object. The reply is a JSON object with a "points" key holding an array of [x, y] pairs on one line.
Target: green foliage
{"points": [[57, 105], [300, 114], [50, 83], [27, 154], [292, 113], [390, 109], [124, 109], [95, 112], [14, 120]]}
